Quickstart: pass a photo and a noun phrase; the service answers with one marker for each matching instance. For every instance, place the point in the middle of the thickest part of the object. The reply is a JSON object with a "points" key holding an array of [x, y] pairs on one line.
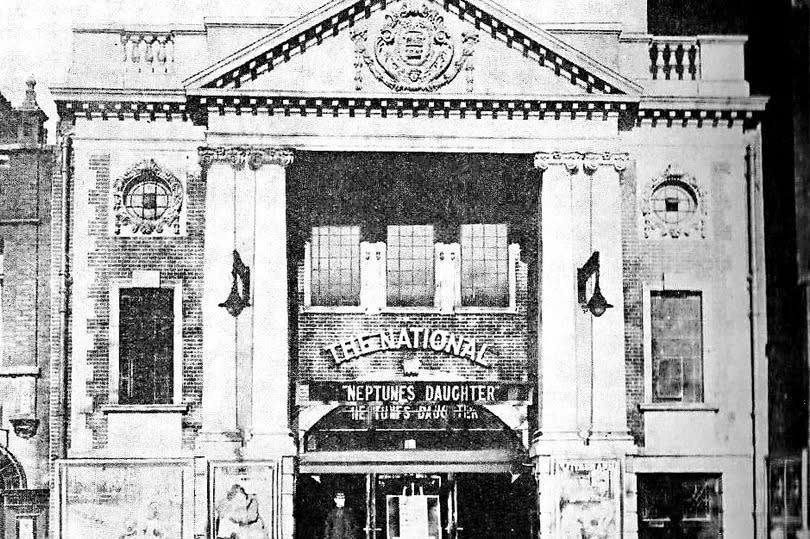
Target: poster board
{"points": [[245, 499], [103, 499], [413, 517]]}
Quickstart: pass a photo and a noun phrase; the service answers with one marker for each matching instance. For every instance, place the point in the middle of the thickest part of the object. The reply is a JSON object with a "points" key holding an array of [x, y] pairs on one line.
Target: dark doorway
{"points": [[445, 505], [496, 506], [314, 500]]}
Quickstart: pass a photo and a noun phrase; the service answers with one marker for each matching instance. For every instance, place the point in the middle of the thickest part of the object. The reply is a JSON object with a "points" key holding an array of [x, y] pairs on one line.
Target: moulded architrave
{"points": [[177, 356], [421, 134]]}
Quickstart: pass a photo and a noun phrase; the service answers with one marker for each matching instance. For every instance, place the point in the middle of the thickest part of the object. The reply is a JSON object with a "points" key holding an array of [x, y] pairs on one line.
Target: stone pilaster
{"points": [[271, 436], [581, 373], [582, 357], [219, 435]]}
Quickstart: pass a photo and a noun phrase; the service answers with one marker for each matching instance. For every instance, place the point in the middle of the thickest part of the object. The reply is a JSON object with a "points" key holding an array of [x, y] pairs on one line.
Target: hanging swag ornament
{"points": [[239, 298]]}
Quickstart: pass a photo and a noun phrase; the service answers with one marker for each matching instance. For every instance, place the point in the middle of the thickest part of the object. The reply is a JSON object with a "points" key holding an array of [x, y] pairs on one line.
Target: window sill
{"points": [[677, 407], [19, 370], [144, 408], [316, 309]]}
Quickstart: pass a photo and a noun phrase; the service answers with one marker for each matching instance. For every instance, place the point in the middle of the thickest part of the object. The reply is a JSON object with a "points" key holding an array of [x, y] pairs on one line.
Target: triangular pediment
{"points": [[452, 47]]}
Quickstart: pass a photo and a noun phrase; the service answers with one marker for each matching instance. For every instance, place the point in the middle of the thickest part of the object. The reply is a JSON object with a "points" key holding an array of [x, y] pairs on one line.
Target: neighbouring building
{"points": [[485, 270], [787, 143], [26, 168]]}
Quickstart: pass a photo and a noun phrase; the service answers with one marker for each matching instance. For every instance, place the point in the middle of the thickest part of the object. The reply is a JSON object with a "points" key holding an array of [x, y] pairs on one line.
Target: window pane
{"points": [[410, 265], [336, 265], [679, 505], [484, 265], [677, 345], [146, 345]]}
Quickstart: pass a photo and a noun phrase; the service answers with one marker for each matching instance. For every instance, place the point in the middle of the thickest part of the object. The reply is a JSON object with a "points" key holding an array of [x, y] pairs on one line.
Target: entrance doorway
{"points": [[420, 505]]}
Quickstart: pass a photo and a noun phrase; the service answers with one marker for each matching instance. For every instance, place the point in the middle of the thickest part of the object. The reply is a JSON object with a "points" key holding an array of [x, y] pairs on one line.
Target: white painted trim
{"points": [[514, 259], [307, 284], [144, 408], [676, 281], [677, 407], [114, 342], [19, 370]]}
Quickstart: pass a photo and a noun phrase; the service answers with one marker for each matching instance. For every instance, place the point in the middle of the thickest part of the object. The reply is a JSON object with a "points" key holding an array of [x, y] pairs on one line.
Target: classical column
{"points": [[271, 434], [581, 372], [558, 299], [219, 435], [609, 383]]}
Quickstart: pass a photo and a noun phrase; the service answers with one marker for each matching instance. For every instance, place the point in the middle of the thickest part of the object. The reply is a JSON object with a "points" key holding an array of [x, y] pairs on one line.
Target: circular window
{"points": [[148, 198], [674, 202]]}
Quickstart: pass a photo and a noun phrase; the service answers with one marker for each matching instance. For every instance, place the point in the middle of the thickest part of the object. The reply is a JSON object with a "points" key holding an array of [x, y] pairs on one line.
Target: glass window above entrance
{"points": [[484, 265], [336, 265], [410, 265]]}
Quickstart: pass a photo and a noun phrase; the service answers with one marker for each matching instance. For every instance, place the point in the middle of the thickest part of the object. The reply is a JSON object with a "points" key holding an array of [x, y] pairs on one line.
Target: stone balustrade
{"points": [[146, 52], [674, 58]]}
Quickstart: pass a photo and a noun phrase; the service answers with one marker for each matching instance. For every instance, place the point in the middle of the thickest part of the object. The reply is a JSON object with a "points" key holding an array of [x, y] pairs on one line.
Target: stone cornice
{"points": [[589, 162], [239, 156]]}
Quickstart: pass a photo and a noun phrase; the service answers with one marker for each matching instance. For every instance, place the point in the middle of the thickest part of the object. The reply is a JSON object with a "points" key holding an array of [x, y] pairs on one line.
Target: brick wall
{"points": [[633, 333], [25, 186], [115, 258], [718, 260], [505, 333]]}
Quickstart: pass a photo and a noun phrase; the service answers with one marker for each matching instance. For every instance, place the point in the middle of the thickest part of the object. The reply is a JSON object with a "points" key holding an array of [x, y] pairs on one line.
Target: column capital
{"points": [[239, 156], [588, 161]]}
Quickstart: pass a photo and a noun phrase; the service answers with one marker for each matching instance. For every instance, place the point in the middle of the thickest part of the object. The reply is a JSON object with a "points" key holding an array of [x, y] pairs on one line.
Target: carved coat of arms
{"points": [[413, 50]]}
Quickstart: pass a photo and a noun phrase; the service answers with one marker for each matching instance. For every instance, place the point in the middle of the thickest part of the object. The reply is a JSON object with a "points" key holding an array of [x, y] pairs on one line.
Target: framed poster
{"points": [[120, 499], [589, 497], [246, 500], [413, 517]]}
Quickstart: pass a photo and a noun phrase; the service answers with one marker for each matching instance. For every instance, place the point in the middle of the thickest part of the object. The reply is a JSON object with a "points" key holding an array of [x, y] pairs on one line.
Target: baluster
{"points": [[654, 60], [149, 58], [125, 47], [170, 53], [160, 54], [142, 50], [679, 51], [692, 54], [667, 55]]}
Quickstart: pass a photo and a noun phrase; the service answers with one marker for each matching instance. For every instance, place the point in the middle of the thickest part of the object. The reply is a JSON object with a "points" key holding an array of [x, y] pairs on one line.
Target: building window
{"points": [[146, 328], [676, 319], [673, 202], [336, 265], [674, 206], [484, 265], [679, 505], [410, 265], [148, 201], [785, 495]]}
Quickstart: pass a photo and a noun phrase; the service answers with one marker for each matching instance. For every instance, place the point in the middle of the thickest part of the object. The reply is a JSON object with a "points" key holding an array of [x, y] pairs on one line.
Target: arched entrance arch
{"points": [[12, 475], [426, 465]]}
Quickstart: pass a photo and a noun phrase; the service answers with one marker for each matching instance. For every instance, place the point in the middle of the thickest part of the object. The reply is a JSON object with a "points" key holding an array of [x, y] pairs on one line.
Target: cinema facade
{"points": [[488, 273]]}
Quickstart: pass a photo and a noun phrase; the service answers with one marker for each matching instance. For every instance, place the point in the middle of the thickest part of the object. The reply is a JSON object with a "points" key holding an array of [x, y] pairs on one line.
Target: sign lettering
{"points": [[410, 338], [427, 392]]}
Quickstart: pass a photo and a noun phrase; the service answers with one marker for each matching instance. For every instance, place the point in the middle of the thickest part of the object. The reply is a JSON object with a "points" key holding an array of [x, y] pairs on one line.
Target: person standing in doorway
{"points": [[340, 522]]}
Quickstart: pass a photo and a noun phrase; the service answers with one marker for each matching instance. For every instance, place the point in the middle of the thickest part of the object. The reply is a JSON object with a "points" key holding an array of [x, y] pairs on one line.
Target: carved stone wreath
{"points": [[166, 217], [692, 224], [413, 51]]}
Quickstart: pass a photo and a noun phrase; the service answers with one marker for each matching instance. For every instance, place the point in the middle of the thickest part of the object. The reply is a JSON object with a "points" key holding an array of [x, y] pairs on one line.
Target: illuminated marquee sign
{"points": [[409, 338], [419, 392]]}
